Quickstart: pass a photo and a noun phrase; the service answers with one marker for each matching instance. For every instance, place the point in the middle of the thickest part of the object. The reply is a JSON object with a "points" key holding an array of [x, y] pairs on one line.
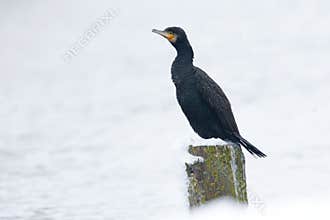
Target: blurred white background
{"points": [[102, 137]]}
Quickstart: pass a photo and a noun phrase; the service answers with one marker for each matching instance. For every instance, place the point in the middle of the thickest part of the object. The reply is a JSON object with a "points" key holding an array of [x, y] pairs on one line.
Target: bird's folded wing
{"points": [[216, 99]]}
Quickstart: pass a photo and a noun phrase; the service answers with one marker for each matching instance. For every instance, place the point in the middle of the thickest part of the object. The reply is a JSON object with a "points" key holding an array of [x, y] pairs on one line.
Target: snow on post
{"points": [[221, 174]]}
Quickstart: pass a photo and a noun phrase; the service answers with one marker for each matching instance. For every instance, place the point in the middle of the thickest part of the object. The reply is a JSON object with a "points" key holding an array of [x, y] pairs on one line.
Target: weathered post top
{"points": [[221, 174]]}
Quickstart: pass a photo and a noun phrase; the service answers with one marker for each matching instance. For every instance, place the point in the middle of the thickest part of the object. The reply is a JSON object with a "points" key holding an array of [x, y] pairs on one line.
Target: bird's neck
{"points": [[185, 53], [182, 67]]}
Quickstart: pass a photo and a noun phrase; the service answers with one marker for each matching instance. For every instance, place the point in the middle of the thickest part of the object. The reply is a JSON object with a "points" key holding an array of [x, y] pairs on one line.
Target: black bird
{"points": [[203, 102]]}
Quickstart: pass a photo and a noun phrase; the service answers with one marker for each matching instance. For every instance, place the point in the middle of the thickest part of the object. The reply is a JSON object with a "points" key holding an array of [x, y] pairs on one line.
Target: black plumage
{"points": [[203, 102]]}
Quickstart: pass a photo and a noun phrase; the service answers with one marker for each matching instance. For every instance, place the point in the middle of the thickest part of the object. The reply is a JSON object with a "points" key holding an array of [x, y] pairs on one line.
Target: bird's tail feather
{"points": [[249, 147]]}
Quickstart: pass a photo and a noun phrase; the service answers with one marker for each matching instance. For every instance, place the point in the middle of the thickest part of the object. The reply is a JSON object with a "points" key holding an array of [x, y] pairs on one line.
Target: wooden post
{"points": [[221, 174]]}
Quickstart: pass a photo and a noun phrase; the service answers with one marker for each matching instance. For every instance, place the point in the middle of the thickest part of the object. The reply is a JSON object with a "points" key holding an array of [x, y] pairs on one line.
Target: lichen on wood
{"points": [[220, 174]]}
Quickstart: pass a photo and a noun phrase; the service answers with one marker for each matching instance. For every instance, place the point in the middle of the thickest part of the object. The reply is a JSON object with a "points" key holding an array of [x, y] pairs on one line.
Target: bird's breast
{"points": [[200, 116], [191, 102]]}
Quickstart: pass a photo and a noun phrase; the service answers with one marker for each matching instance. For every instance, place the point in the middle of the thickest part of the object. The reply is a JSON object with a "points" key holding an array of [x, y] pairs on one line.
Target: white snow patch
{"points": [[234, 167]]}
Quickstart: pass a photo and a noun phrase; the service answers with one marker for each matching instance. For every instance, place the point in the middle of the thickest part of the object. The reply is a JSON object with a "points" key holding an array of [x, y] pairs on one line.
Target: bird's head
{"points": [[175, 35], [178, 38]]}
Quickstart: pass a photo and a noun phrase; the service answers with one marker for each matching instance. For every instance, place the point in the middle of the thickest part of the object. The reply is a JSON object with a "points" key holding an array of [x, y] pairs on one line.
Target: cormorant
{"points": [[201, 99]]}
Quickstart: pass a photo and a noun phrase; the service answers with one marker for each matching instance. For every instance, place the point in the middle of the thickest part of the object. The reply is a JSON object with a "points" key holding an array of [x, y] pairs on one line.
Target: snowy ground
{"points": [[101, 136]]}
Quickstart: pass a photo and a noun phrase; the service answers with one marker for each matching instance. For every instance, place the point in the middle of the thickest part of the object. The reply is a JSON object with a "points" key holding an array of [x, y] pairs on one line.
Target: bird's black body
{"points": [[201, 99]]}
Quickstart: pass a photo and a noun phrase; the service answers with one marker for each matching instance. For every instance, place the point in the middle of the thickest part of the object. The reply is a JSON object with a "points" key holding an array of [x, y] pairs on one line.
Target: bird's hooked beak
{"points": [[169, 36]]}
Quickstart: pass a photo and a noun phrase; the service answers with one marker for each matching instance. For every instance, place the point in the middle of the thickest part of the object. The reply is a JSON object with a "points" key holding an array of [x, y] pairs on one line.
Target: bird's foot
{"points": [[232, 143], [207, 142]]}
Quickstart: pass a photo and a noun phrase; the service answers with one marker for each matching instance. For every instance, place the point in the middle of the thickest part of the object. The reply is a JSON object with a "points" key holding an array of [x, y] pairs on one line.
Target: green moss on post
{"points": [[222, 173]]}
